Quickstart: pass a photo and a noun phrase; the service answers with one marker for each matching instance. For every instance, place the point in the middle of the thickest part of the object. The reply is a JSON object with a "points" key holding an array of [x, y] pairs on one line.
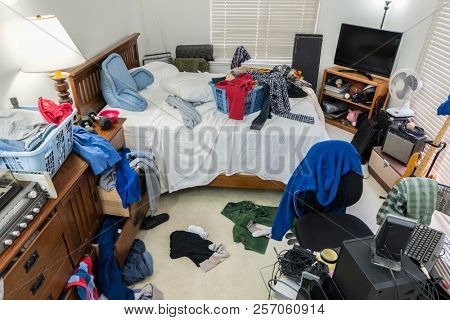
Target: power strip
{"points": [[285, 288], [41, 177]]}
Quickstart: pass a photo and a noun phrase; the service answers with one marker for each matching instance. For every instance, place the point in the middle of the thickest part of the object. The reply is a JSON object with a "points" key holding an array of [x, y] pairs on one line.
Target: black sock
{"points": [[151, 222]]}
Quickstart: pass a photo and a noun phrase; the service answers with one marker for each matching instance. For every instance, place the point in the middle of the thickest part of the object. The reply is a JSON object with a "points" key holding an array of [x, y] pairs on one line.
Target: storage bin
{"points": [[49, 156], [253, 101]]}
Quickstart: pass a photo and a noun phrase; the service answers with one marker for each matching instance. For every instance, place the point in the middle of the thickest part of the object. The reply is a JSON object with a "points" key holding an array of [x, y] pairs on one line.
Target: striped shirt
{"points": [[414, 198]]}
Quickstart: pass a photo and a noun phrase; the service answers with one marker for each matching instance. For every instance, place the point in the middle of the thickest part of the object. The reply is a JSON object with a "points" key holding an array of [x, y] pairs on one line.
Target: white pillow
{"points": [[161, 70], [192, 87]]}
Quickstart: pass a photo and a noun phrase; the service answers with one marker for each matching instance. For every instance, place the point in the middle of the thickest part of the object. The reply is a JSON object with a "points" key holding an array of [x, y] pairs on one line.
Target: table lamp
{"points": [[47, 47]]}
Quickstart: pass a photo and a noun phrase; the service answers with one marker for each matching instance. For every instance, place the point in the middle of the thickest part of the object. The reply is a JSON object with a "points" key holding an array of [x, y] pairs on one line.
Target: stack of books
{"points": [[335, 91]]}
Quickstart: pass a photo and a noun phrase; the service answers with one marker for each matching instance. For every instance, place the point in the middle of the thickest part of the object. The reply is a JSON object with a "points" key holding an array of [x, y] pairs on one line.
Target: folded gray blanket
{"points": [[22, 130], [190, 116]]}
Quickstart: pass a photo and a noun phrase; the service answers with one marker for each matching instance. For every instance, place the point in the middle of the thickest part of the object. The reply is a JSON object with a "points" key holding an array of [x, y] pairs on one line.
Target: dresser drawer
{"points": [[130, 228], [56, 280], [50, 282], [112, 203], [39, 264]]}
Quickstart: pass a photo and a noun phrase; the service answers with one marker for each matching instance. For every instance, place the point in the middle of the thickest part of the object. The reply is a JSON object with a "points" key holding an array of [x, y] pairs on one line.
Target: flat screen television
{"points": [[367, 50]]}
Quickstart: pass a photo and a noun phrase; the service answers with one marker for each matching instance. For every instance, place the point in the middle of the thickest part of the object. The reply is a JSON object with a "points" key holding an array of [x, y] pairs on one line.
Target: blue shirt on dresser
{"points": [[101, 156]]}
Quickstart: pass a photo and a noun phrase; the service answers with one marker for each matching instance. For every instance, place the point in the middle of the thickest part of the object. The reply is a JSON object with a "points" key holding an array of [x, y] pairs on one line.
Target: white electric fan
{"points": [[402, 86]]}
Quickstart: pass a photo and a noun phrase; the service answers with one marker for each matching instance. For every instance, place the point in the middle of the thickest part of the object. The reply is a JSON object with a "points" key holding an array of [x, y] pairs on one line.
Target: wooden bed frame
{"points": [[86, 90]]}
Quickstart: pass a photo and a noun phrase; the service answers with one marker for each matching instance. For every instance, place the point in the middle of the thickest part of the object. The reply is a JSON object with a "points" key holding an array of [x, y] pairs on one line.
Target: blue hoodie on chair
{"points": [[319, 172]]}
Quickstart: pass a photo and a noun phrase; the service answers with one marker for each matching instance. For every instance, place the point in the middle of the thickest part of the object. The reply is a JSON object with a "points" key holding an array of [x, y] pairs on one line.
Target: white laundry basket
{"points": [[49, 156]]}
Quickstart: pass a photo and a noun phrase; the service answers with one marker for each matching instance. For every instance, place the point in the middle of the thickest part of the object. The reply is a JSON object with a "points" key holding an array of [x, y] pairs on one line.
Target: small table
{"points": [[385, 169]]}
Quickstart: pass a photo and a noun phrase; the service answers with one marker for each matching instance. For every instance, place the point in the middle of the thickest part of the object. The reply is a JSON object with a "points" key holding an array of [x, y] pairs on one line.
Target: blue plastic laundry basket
{"points": [[253, 101], [49, 156]]}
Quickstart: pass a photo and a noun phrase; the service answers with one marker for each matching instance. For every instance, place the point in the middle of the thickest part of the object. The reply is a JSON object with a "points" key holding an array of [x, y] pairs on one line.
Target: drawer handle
{"points": [[37, 284], [96, 196], [50, 297], [31, 261]]}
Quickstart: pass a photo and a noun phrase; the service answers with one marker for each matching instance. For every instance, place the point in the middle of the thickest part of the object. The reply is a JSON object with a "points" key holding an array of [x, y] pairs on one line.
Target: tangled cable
{"points": [[292, 263], [295, 261]]}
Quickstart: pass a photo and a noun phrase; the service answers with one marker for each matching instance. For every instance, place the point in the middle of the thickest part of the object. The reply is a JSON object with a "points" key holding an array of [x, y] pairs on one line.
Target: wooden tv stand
{"points": [[382, 90]]}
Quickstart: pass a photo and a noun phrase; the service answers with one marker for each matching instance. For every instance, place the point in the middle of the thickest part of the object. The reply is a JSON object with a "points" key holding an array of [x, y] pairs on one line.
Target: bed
{"points": [[218, 152]]}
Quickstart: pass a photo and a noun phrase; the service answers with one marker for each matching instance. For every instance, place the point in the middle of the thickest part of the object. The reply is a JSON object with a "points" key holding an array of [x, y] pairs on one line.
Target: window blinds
{"points": [[266, 28], [434, 71]]}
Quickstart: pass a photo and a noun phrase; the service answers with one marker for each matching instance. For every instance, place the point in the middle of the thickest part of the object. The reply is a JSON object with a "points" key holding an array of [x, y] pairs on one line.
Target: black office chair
{"points": [[322, 228]]}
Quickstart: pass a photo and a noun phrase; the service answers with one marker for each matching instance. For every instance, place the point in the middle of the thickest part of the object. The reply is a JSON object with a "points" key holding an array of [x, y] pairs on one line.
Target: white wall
{"points": [[92, 24], [175, 22], [408, 16], [96, 24], [188, 22]]}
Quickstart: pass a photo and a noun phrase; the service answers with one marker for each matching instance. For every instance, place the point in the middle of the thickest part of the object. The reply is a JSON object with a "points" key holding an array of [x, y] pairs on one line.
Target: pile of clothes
{"points": [[121, 170], [83, 280], [237, 89], [252, 224], [414, 198], [139, 161], [112, 281], [139, 264], [26, 130], [281, 83], [22, 130], [194, 245], [102, 157]]}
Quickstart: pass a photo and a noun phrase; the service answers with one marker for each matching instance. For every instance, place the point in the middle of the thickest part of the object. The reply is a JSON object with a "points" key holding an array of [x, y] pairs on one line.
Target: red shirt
{"points": [[237, 90]]}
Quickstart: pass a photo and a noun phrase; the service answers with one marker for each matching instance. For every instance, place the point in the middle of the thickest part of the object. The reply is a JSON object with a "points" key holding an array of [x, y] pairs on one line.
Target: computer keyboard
{"points": [[425, 246]]}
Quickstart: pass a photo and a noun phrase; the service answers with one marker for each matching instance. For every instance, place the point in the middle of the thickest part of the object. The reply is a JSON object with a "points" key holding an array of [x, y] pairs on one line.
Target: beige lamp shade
{"points": [[47, 46]]}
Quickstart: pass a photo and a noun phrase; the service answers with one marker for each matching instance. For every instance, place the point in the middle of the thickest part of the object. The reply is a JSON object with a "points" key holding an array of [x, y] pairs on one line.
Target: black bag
{"points": [[365, 139], [204, 51]]}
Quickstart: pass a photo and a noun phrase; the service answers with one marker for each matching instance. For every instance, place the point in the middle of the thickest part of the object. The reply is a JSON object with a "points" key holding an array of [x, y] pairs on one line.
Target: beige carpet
{"points": [[238, 277]]}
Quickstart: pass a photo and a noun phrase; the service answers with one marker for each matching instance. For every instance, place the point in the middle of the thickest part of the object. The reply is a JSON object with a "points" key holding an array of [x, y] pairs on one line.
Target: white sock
{"points": [[220, 249], [262, 233], [198, 230], [259, 230], [220, 254]]}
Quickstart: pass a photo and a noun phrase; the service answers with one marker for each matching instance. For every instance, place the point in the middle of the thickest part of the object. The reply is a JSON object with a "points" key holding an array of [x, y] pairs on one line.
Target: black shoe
{"points": [[153, 221]]}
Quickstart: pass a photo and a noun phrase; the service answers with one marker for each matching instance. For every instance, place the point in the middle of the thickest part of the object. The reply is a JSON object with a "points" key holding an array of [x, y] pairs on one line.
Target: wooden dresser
{"points": [[41, 260]]}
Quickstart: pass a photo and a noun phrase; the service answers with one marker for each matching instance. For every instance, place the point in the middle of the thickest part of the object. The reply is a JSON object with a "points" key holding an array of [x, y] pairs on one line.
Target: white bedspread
{"points": [[188, 158]]}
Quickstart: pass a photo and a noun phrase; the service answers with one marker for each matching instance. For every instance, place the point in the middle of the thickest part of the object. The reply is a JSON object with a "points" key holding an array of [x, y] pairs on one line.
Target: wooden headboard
{"points": [[85, 78]]}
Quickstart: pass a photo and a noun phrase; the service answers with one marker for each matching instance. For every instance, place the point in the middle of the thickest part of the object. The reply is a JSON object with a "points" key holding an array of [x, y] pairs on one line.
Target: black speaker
{"points": [[358, 278], [306, 56]]}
